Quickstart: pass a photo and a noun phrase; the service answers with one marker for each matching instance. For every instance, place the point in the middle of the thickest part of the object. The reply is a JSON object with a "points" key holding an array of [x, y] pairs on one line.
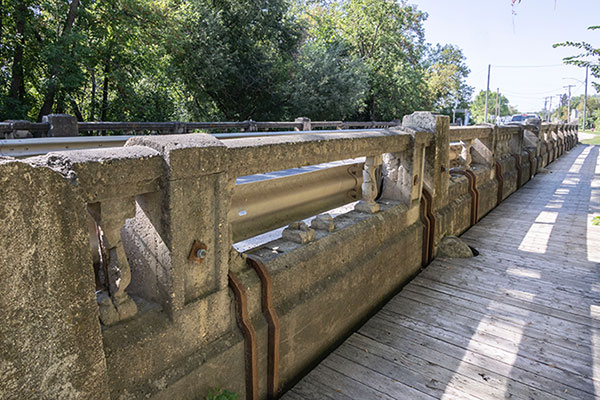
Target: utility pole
{"points": [[487, 93], [585, 98], [497, 105], [569, 102], [550, 110], [546, 107], [560, 98]]}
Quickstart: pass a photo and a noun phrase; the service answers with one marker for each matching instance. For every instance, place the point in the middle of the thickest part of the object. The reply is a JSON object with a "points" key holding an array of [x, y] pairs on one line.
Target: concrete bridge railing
{"points": [[120, 279]]}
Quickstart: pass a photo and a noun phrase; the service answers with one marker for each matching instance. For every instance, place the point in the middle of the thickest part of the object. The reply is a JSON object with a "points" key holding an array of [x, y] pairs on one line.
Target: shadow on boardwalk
{"points": [[520, 321]]}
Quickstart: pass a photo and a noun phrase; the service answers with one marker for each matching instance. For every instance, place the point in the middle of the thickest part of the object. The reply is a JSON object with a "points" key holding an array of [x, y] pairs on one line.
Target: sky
{"points": [[488, 33]]}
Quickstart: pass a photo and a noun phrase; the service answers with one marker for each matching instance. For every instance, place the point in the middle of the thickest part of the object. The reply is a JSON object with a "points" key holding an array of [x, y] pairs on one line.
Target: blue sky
{"points": [[488, 33]]}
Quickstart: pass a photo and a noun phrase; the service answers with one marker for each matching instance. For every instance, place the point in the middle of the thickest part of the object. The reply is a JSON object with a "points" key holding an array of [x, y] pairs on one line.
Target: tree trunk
{"points": [[104, 106], [51, 93], [17, 85], [76, 110], [372, 107], [1, 19], [92, 114]]}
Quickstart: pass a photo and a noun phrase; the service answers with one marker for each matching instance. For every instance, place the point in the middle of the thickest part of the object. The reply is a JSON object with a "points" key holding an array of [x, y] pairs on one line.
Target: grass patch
{"points": [[594, 141], [221, 394]]}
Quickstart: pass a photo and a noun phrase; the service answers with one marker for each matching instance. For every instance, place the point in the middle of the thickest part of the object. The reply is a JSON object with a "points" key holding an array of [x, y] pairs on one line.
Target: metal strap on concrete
{"points": [[273, 322], [249, 336]]}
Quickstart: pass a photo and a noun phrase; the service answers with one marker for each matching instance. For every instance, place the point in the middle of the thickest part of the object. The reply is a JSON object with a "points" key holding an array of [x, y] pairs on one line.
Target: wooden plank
{"points": [[468, 378], [291, 395], [434, 379], [507, 299], [468, 327], [562, 332], [439, 351], [574, 294], [434, 384], [342, 386], [373, 379], [516, 330], [308, 389], [493, 349], [473, 281], [552, 269]]}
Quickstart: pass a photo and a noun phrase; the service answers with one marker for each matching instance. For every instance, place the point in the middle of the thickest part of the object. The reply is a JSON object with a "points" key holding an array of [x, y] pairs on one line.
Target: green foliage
{"points": [[235, 55], [596, 220], [593, 110], [478, 107], [388, 37], [446, 78], [221, 394], [222, 59], [328, 82], [588, 57]]}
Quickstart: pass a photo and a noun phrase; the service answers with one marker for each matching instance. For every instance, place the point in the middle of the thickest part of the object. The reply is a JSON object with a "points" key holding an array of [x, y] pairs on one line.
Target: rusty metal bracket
{"points": [[429, 221], [531, 158], [500, 179], [198, 252], [249, 336], [475, 213], [273, 323], [517, 158], [472, 178]]}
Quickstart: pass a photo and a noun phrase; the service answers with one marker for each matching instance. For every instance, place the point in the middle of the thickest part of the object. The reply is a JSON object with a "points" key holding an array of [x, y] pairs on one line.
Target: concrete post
{"points": [[306, 124], [61, 125], [49, 329], [437, 176], [403, 171], [516, 142], [194, 202]]}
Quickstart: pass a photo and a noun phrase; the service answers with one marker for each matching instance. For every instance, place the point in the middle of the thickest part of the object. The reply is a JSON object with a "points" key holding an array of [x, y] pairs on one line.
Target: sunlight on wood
{"points": [[548, 217], [518, 294], [482, 342], [536, 239], [576, 166], [524, 272]]}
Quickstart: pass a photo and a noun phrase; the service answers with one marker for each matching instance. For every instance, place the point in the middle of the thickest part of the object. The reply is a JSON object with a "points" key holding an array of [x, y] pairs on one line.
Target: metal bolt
{"points": [[201, 254]]}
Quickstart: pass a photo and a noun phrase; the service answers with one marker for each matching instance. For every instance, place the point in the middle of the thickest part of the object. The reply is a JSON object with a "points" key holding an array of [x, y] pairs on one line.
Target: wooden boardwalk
{"points": [[520, 321]]}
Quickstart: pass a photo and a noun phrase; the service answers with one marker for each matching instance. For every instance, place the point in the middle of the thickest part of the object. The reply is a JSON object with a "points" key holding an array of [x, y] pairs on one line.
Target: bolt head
{"points": [[201, 254]]}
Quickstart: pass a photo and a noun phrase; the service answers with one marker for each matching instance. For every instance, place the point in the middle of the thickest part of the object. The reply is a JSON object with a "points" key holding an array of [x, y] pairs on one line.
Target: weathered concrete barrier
{"points": [[120, 280]]}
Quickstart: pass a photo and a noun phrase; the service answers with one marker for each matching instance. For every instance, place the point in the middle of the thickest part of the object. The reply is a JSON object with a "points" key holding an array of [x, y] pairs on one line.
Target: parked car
{"points": [[521, 118]]}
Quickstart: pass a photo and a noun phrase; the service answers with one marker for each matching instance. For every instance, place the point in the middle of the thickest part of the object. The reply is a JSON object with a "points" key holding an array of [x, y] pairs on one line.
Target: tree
{"points": [[58, 61], [593, 108], [222, 59], [235, 57], [388, 37], [328, 83], [446, 78], [478, 107], [589, 56]]}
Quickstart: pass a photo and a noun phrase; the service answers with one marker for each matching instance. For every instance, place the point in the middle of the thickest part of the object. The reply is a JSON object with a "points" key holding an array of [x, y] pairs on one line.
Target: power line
{"points": [[532, 93], [529, 66]]}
